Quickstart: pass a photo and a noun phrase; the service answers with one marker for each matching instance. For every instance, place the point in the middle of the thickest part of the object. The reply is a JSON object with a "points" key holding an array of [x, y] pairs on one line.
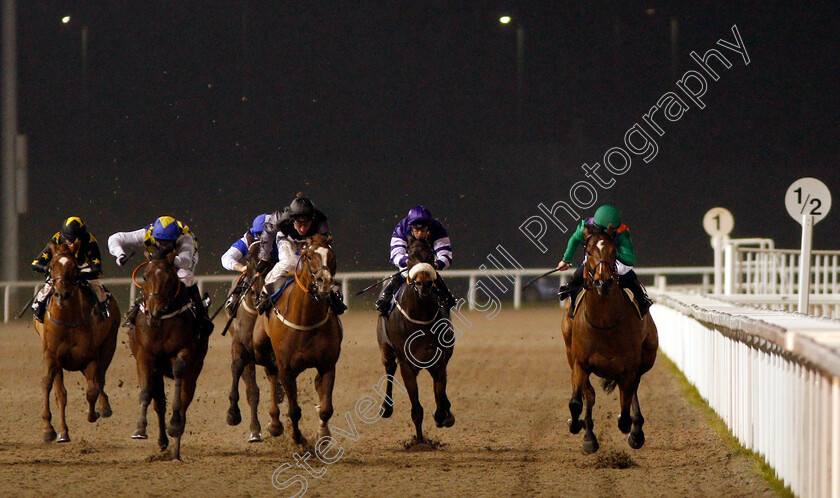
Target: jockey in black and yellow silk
{"points": [[163, 236], [88, 259]]}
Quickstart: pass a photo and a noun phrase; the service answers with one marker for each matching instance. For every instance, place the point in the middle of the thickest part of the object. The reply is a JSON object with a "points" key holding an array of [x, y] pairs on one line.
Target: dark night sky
{"points": [[216, 111]]}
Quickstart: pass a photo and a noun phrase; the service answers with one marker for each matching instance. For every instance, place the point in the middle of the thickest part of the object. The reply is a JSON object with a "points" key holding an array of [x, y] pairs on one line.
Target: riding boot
{"points": [[447, 301], [204, 322], [337, 301], [383, 304], [264, 302], [102, 309], [131, 316], [631, 281], [39, 309], [572, 289]]}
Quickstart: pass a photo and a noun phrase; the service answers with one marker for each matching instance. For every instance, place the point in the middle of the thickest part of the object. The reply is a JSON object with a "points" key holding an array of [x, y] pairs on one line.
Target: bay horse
{"points": [[607, 338], [413, 337], [305, 332], [166, 341], [74, 338], [251, 346]]}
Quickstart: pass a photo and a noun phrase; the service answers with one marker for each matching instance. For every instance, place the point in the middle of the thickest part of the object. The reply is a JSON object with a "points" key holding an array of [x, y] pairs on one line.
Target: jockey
{"points": [[88, 258], [606, 216], [284, 235], [236, 257], [421, 224], [163, 236]]}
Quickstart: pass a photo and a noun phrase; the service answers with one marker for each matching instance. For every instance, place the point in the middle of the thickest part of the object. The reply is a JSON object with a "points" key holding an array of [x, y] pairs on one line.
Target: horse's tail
{"points": [[609, 385]]}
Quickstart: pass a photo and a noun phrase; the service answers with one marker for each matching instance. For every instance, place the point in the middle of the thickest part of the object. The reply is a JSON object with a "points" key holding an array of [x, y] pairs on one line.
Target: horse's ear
{"points": [[610, 230], [148, 255], [75, 245], [329, 240], [586, 231], [170, 258], [410, 239]]}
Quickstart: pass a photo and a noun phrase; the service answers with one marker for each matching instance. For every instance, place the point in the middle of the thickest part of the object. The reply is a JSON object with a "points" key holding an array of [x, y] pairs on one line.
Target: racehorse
{"points": [[607, 338], [74, 338], [166, 342], [251, 346], [306, 333], [414, 335]]}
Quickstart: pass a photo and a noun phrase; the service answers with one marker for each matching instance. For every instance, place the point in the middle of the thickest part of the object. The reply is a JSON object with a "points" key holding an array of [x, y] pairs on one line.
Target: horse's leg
{"points": [[636, 439], [179, 370], [145, 369], [576, 401], [61, 400], [275, 428], [187, 391], [252, 393], [92, 391], [389, 359], [625, 390], [590, 442], [409, 376], [289, 381], [443, 414], [106, 354], [324, 386], [50, 369], [158, 391], [237, 365]]}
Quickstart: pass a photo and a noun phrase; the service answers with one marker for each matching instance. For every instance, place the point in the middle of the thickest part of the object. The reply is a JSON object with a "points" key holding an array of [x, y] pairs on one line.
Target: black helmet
{"points": [[301, 207], [73, 228]]}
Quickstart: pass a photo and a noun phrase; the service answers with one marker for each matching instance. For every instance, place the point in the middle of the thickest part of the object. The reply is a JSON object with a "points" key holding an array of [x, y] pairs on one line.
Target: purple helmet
{"points": [[418, 215], [257, 227]]}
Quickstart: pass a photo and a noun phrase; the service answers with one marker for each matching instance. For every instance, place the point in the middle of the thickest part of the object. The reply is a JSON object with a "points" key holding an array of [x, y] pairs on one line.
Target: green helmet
{"points": [[607, 215]]}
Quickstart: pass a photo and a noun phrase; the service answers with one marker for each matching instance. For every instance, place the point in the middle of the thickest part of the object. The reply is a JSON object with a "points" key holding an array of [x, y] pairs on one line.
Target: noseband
{"points": [[312, 289], [167, 300]]}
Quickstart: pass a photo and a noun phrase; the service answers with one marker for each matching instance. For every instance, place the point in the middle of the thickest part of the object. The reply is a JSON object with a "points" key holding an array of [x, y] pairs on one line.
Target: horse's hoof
{"points": [[63, 438], [590, 446], [323, 431], [574, 426], [49, 437], [624, 424], [636, 442], [256, 437], [93, 417], [175, 430], [163, 444], [139, 434], [387, 410], [299, 439], [275, 430], [105, 412], [234, 418], [450, 420]]}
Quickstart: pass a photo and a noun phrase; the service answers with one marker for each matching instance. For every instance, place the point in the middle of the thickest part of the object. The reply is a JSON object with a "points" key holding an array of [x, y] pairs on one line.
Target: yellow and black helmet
{"points": [[73, 228]]}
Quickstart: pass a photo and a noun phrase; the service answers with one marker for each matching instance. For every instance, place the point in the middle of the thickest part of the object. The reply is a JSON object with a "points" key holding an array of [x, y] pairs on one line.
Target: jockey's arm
{"points": [[574, 243], [269, 235], [286, 254], [120, 241], [94, 261], [443, 253], [399, 251], [41, 264], [624, 250], [186, 250], [233, 257]]}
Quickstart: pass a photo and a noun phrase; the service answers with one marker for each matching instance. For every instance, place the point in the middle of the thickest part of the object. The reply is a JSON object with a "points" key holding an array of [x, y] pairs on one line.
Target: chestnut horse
{"points": [[306, 333], [166, 341], [415, 336], [607, 338], [251, 346], [74, 338]]}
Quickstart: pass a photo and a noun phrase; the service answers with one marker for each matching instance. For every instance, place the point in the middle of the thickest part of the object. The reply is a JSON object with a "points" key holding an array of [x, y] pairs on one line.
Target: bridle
{"points": [[166, 299], [590, 270], [312, 288]]}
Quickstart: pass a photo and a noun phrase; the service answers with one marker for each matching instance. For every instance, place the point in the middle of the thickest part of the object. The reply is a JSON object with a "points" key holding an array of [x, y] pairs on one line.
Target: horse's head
{"points": [[64, 269], [317, 264], [161, 285], [600, 267], [421, 268], [252, 259]]}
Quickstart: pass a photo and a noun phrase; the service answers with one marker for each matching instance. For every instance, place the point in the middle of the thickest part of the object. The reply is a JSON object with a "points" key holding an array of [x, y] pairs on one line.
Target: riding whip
{"points": [[539, 277], [379, 282], [236, 306], [29, 303]]}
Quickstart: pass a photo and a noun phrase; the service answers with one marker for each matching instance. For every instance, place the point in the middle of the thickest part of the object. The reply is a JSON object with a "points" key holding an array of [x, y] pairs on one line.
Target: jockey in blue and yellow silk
{"points": [[88, 259], [421, 225], [605, 216], [160, 238]]}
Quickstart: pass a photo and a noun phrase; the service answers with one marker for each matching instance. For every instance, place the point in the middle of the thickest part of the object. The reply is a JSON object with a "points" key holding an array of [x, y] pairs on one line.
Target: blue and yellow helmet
{"points": [[166, 228], [258, 225]]}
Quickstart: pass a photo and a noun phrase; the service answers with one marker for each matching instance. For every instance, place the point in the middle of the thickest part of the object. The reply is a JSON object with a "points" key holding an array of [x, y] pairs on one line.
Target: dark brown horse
{"points": [[251, 346], [607, 338], [166, 342], [74, 338], [416, 336], [306, 333]]}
